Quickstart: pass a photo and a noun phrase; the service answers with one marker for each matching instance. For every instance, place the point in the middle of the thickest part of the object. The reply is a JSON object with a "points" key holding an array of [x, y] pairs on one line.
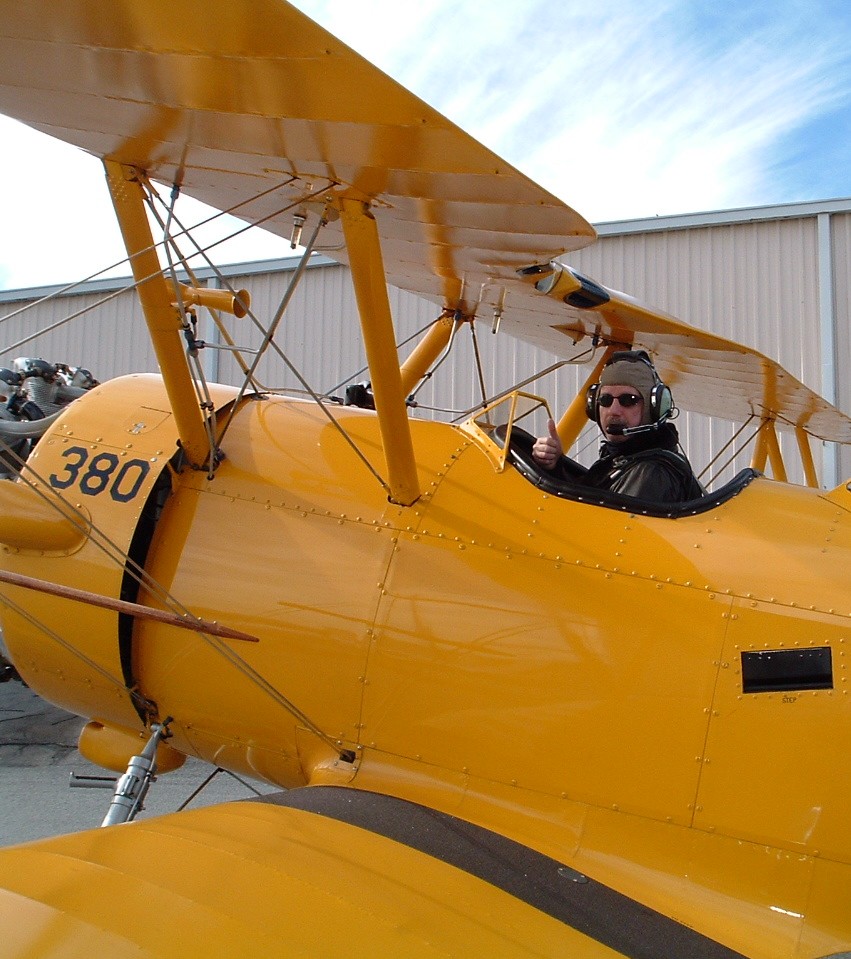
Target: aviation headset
{"points": [[660, 403]]}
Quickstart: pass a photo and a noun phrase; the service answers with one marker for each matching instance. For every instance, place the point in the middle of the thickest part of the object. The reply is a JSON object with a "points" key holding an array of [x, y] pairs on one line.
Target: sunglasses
{"points": [[625, 399]]}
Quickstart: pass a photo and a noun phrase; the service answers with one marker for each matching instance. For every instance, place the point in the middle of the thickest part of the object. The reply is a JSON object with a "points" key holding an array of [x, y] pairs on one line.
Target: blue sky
{"points": [[622, 109]]}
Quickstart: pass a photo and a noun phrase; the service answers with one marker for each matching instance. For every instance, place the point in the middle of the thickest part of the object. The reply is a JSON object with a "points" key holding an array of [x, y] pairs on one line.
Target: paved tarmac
{"points": [[38, 754]]}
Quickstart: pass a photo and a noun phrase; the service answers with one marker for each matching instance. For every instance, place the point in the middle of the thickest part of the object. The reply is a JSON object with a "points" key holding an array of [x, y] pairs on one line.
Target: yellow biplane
{"points": [[507, 718]]}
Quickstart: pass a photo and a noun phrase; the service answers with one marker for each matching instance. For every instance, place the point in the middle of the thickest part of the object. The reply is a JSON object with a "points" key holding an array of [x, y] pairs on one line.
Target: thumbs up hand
{"points": [[547, 450]]}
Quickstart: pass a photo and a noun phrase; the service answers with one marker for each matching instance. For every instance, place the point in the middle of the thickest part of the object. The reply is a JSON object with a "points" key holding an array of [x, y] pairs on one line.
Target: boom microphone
{"points": [[617, 430]]}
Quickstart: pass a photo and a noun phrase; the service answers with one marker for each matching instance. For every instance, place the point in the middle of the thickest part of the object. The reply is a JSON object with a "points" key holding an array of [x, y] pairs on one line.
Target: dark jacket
{"points": [[648, 466]]}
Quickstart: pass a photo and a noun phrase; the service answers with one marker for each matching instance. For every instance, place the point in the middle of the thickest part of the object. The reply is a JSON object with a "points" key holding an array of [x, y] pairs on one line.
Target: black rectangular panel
{"points": [[781, 670]]}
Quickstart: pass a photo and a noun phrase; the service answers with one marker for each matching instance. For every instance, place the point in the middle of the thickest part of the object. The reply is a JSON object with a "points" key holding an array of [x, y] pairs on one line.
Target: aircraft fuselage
{"points": [[597, 678]]}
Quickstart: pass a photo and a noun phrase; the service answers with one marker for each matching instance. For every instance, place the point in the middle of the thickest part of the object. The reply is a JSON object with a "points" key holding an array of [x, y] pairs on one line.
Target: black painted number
{"points": [[76, 457], [96, 477], [98, 474], [130, 478]]}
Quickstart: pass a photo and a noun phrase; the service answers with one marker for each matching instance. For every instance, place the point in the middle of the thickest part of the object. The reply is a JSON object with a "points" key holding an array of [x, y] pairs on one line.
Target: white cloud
{"points": [[621, 109]]}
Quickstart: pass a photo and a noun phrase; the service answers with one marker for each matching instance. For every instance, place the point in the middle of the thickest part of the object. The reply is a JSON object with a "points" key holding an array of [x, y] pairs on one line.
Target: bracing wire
{"points": [[199, 381], [269, 333], [73, 650], [199, 789], [735, 452], [480, 373], [464, 414], [723, 449], [184, 232], [365, 369], [65, 319], [115, 554], [269, 343], [436, 366], [69, 288]]}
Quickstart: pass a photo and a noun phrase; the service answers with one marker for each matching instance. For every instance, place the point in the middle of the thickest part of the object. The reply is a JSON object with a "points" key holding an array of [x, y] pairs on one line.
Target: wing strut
{"points": [[416, 366], [364, 249], [806, 457], [768, 448], [157, 299], [574, 417]]}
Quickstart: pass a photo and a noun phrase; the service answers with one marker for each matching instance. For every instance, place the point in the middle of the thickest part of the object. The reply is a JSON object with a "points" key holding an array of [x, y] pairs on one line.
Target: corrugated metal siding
{"points": [[841, 239], [318, 331], [106, 334], [753, 282]]}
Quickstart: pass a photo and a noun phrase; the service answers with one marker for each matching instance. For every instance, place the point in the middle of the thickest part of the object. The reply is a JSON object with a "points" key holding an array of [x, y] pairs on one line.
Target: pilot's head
{"points": [[629, 395]]}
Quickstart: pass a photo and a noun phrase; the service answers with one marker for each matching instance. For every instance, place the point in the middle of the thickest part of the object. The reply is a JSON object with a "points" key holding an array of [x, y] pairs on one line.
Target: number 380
{"points": [[97, 474]]}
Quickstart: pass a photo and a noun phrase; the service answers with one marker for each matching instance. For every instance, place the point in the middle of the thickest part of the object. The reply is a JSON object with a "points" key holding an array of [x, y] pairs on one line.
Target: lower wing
{"points": [[321, 871]]}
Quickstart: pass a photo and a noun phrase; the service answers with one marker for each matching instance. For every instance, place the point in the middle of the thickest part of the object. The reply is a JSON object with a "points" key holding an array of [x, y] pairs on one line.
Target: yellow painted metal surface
{"points": [[806, 457], [102, 459], [565, 674], [742, 894], [250, 880], [765, 744], [77, 464], [30, 521], [419, 363], [364, 250], [112, 747]]}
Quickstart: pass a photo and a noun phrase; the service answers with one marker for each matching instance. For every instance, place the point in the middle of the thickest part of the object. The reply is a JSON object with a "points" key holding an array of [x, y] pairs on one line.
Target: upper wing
{"points": [[249, 100], [252, 107]]}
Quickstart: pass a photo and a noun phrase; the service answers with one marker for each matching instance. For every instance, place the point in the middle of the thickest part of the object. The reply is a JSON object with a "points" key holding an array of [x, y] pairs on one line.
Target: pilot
{"points": [[640, 454]]}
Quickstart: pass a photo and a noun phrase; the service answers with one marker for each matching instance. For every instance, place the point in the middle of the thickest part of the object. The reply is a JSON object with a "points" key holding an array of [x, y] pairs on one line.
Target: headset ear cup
{"points": [[591, 409], [661, 403]]}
